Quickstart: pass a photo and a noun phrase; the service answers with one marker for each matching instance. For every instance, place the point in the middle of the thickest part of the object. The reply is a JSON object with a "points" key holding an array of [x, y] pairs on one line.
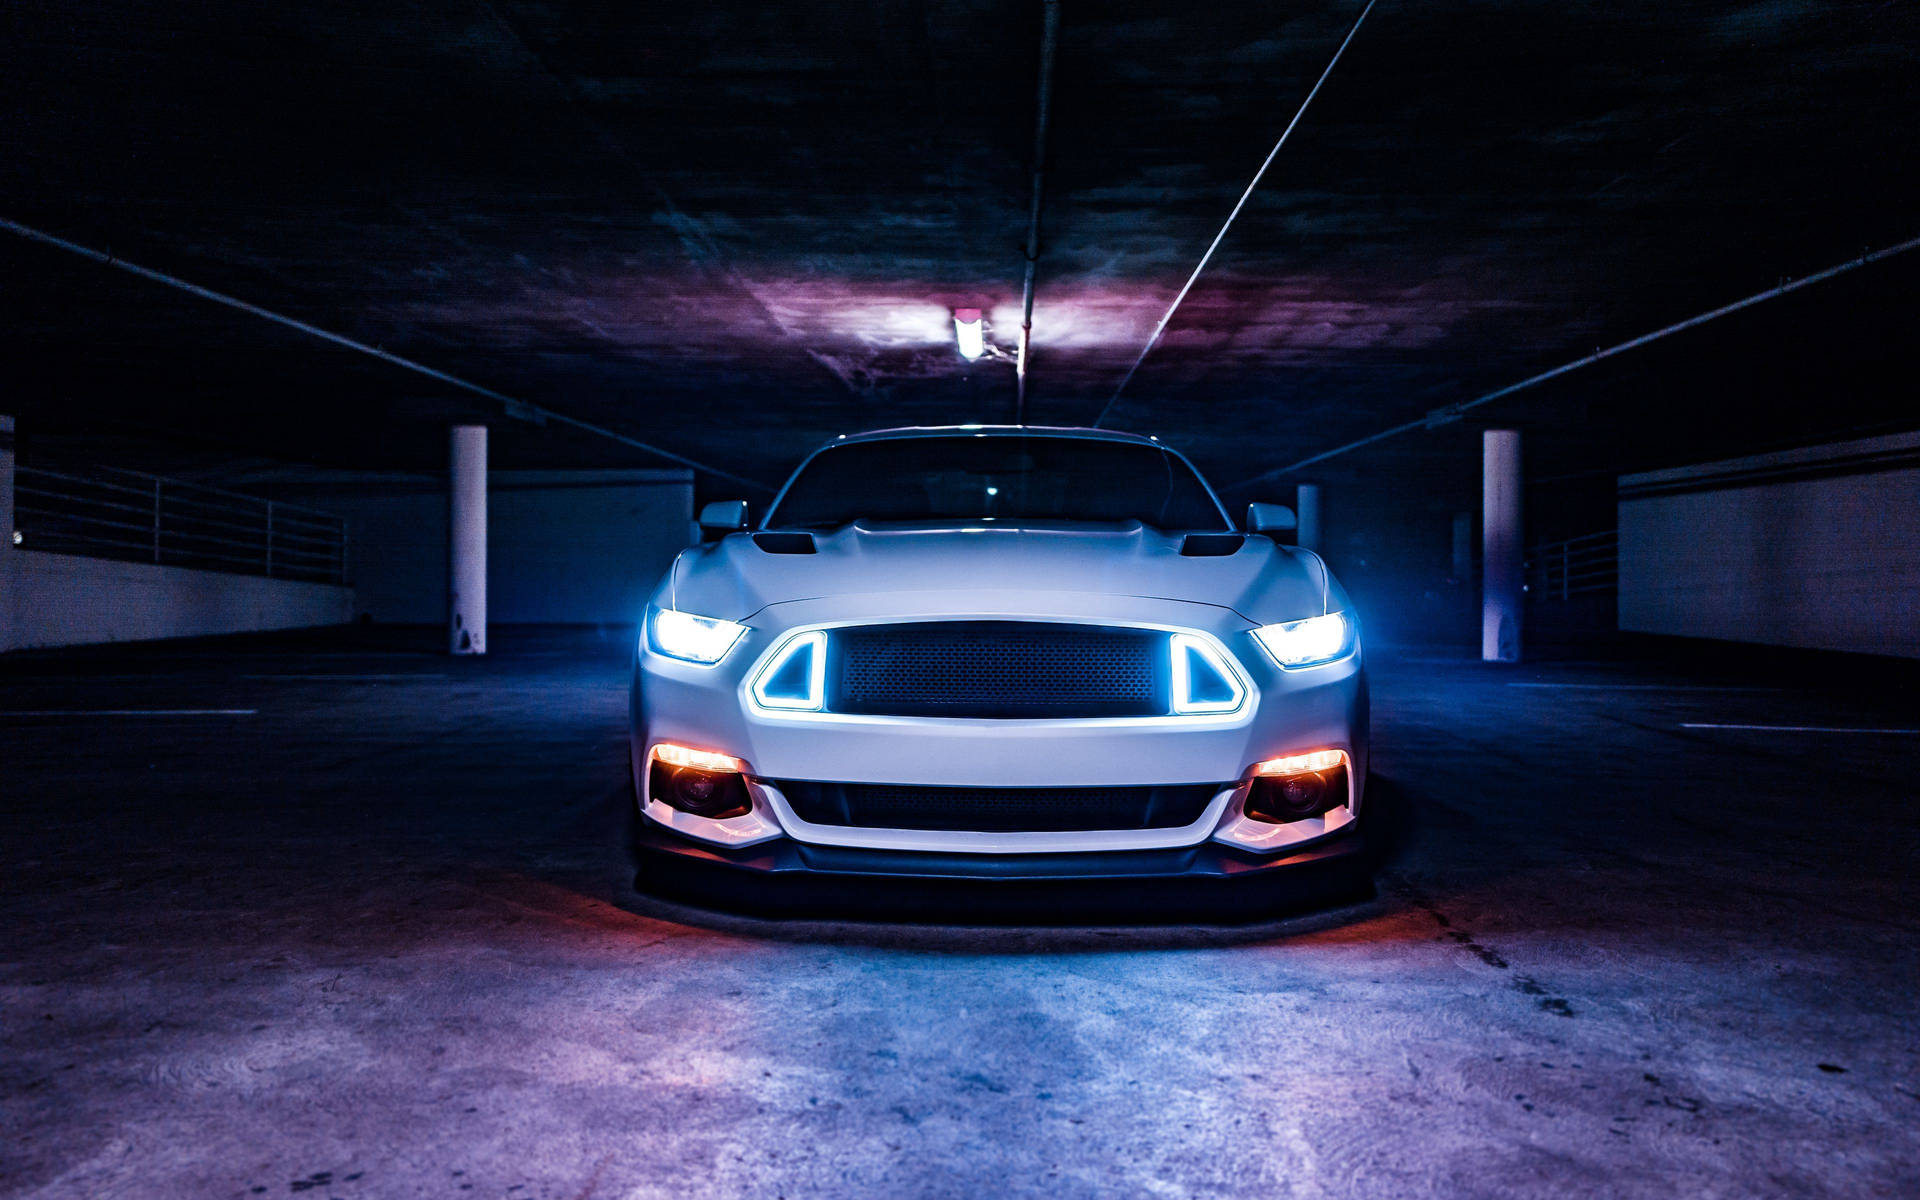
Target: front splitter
{"points": [[1208, 883]]}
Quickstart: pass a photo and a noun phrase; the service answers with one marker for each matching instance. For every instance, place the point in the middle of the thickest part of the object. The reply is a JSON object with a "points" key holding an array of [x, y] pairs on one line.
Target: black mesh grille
{"points": [[1003, 669], [997, 810]]}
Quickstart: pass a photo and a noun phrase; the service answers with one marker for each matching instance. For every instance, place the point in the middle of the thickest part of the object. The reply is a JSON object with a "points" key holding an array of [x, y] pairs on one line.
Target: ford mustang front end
{"points": [[1034, 660]]}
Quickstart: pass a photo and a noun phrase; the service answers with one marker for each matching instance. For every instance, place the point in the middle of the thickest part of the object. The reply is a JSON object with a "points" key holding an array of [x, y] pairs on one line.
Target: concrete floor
{"points": [[378, 938]]}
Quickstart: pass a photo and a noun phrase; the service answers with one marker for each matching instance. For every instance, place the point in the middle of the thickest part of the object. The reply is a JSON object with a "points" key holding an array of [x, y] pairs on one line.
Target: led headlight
{"points": [[702, 640], [1313, 642]]}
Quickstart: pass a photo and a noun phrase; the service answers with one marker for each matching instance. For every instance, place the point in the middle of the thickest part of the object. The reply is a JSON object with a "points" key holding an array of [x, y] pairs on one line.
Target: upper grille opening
{"points": [[998, 669]]}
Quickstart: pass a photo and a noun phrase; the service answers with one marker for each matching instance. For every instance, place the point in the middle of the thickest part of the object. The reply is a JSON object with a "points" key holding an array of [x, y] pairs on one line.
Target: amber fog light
{"points": [[1297, 787], [699, 783]]}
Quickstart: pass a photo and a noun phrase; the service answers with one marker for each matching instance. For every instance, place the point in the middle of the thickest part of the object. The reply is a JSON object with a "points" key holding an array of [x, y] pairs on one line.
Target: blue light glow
{"points": [[1313, 642], [795, 676], [1202, 680], [699, 640]]}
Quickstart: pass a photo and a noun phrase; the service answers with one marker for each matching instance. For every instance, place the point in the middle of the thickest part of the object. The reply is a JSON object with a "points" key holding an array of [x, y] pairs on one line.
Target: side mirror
{"points": [[722, 517], [1275, 520]]}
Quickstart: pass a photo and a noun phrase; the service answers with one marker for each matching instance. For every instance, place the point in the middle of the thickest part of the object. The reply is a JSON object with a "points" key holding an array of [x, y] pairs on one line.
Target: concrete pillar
{"points": [[8, 554], [467, 542], [1307, 509], [1500, 549], [1462, 547]]}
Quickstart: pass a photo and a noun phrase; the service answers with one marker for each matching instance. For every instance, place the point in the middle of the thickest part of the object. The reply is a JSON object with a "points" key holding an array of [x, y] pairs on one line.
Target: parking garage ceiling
{"points": [[734, 229]]}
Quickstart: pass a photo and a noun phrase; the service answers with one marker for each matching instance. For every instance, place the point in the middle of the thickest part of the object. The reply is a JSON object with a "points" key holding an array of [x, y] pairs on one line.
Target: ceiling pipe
{"points": [[1049, 34]]}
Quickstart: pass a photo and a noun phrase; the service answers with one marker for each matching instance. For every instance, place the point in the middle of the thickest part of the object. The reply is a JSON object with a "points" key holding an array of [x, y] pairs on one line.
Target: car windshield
{"points": [[997, 477]]}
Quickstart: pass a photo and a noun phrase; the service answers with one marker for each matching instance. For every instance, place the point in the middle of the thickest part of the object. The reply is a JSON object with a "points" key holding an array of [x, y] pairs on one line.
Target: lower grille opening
{"points": [[997, 810]]}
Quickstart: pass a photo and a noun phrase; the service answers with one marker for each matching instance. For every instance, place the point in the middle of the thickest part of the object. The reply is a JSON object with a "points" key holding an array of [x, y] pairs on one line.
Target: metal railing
{"points": [[1576, 567], [108, 512]]}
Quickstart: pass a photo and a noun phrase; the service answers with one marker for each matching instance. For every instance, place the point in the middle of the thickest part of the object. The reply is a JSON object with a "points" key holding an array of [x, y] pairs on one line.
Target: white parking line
{"points": [[347, 678], [214, 676], [1646, 687], [1800, 728], [128, 712]]}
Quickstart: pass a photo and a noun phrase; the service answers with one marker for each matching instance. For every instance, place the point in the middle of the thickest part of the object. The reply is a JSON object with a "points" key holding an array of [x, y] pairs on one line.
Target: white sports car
{"points": [[962, 664]]}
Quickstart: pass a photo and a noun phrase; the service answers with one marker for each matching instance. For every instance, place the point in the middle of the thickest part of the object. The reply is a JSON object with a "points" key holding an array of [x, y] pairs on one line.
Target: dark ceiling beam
{"points": [[695, 242], [1447, 414], [1238, 205], [509, 406]]}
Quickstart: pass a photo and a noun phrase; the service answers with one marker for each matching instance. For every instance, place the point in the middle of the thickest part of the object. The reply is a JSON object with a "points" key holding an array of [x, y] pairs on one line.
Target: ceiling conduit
{"points": [[1049, 34]]}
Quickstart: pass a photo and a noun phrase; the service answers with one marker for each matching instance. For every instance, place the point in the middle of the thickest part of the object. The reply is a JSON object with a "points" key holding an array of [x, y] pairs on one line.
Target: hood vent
{"points": [[1211, 545], [784, 543]]}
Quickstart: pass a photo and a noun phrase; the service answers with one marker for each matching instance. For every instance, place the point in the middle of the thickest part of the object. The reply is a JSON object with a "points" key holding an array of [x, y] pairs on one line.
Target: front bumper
{"points": [[1207, 882], [708, 707], [1286, 712]]}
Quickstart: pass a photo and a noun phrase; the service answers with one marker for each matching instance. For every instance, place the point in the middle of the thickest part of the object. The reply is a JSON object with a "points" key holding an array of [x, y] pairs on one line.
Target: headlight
{"points": [[703, 640], [1313, 642]]}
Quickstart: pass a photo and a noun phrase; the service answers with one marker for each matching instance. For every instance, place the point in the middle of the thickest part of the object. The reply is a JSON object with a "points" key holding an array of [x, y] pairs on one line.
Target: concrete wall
{"points": [[65, 600], [1395, 560], [562, 546], [1817, 548], [582, 545]]}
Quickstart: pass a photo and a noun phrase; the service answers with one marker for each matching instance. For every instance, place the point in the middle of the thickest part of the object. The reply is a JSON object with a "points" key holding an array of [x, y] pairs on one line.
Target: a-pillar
{"points": [[1307, 511], [1501, 566], [467, 540]]}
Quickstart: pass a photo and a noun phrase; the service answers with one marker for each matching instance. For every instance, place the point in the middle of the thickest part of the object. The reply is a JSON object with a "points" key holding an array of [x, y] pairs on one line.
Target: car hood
{"points": [[737, 577]]}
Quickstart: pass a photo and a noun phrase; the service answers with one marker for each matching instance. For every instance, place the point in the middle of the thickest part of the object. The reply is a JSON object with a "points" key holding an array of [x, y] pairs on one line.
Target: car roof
{"points": [[1064, 431]]}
